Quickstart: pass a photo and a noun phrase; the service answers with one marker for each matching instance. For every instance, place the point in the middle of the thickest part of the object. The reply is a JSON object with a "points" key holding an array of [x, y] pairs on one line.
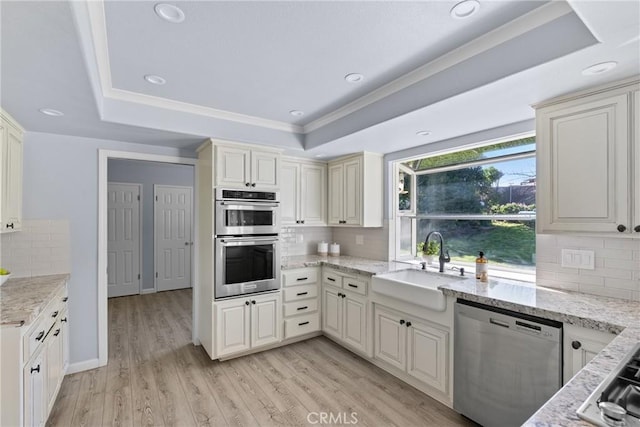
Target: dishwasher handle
{"points": [[498, 322]]}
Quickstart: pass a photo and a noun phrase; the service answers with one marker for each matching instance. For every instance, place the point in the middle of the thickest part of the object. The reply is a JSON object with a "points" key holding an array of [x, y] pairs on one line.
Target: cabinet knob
{"points": [[10, 225], [40, 336], [637, 229], [253, 302], [408, 324], [36, 369], [622, 228], [401, 322], [57, 332], [247, 303], [344, 295], [246, 184], [65, 299], [253, 185], [54, 314], [302, 222], [64, 319], [576, 345]]}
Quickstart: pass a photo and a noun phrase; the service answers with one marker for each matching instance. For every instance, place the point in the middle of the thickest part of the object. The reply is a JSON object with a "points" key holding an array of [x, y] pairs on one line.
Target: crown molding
{"points": [[523, 24], [101, 48]]}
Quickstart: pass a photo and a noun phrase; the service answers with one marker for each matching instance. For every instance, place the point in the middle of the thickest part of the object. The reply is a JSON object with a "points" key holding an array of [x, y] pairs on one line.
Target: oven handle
{"points": [[246, 241], [249, 204]]}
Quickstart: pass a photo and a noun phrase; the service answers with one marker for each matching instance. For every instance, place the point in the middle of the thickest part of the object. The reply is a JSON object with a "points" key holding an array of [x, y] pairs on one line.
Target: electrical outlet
{"points": [[574, 258], [359, 239]]}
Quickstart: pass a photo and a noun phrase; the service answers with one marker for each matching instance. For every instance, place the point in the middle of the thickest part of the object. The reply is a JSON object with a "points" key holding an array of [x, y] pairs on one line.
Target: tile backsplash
{"points": [[303, 240], [617, 265], [41, 248]]}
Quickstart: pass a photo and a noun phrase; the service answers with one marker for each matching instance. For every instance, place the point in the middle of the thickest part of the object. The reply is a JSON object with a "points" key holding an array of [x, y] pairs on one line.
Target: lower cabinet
{"points": [[415, 346], [248, 322], [35, 390], [580, 345], [344, 316]]}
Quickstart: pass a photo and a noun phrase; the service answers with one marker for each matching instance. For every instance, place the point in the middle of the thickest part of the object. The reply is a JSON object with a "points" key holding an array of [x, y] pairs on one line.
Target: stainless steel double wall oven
{"points": [[247, 245]]}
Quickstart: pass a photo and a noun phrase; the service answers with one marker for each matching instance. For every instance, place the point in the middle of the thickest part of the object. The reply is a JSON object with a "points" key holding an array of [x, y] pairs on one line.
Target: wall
{"points": [[617, 265], [42, 247], [302, 240], [374, 243], [149, 174], [61, 182]]}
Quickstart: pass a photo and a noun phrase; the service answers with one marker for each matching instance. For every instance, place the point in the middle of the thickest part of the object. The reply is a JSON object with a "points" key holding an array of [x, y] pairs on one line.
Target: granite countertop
{"points": [[22, 299], [348, 264], [612, 315]]}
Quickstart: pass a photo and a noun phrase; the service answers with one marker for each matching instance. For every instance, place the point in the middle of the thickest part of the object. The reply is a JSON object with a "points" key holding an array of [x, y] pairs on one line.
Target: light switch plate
{"points": [[575, 258]]}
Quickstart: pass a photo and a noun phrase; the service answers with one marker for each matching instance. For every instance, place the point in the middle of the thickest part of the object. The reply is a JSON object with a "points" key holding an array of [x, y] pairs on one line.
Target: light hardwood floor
{"points": [[156, 377]]}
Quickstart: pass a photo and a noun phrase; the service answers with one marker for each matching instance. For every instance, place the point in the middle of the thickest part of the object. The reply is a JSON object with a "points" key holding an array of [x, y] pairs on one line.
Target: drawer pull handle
{"points": [[352, 285], [303, 323], [54, 314], [57, 332], [331, 279], [65, 299], [299, 279], [304, 307], [10, 226], [40, 336], [64, 319], [36, 369], [299, 294]]}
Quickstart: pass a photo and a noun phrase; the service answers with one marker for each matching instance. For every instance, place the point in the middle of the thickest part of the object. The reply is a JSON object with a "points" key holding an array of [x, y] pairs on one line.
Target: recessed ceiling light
{"points": [[153, 79], [600, 68], [423, 133], [465, 9], [320, 155], [354, 77], [296, 113], [51, 112], [169, 12]]}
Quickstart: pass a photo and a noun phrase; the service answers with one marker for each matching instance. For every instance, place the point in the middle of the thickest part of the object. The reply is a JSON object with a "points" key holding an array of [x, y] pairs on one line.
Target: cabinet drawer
{"points": [[300, 277], [331, 278], [300, 307], [300, 292], [53, 311], [301, 325], [355, 285]]}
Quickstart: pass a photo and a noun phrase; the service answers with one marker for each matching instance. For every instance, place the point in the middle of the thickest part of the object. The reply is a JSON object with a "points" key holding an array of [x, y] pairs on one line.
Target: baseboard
{"points": [[147, 291], [83, 366]]}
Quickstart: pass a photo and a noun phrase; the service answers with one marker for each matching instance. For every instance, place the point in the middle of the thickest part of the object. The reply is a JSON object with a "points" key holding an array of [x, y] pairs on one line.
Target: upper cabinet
{"points": [[588, 162], [11, 135], [246, 167], [356, 190], [303, 192]]}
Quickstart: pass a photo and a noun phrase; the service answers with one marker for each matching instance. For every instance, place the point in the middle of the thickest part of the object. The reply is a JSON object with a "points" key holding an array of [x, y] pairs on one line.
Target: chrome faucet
{"points": [[442, 258]]}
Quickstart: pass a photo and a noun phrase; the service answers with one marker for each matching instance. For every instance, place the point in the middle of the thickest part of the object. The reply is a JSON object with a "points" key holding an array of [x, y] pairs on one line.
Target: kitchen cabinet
{"points": [[303, 193], [580, 345], [415, 346], [33, 364], [11, 153], [586, 170], [300, 303], [246, 323], [345, 312], [356, 191], [240, 166]]}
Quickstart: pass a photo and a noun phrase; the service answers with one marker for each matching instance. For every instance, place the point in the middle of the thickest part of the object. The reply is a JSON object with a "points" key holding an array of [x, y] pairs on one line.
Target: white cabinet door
{"points": [[427, 354], [355, 321], [336, 193], [265, 169], [64, 323], [583, 177], [233, 332], [12, 152], [332, 311], [580, 345], [313, 194], [35, 391], [233, 167], [352, 191], [266, 327], [289, 193], [390, 337], [54, 350]]}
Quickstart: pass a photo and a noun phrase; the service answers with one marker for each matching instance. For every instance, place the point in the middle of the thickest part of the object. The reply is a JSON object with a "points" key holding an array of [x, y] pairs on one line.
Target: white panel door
{"points": [[428, 354], [390, 337], [232, 166], [173, 242], [34, 391], [232, 323], [352, 191], [123, 239], [313, 194], [266, 326], [12, 205], [636, 144], [355, 322], [336, 193], [289, 191], [265, 169], [332, 312]]}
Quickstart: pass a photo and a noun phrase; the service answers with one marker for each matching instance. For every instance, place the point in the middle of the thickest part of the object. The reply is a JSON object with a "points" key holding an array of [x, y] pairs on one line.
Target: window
{"points": [[480, 199]]}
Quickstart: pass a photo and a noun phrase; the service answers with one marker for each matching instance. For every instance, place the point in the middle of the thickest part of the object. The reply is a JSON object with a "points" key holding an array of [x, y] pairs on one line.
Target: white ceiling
{"points": [[234, 69]]}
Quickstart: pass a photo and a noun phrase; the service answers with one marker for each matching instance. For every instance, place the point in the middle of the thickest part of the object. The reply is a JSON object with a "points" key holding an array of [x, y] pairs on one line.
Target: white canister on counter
{"points": [[323, 248], [334, 249]]}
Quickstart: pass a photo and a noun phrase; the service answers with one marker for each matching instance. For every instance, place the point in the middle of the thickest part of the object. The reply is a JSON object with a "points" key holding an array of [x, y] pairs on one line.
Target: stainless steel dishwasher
{"points": [[506, 364]]}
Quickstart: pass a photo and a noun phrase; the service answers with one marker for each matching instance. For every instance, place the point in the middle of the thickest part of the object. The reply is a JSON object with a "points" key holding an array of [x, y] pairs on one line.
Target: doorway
{"points": [[142, 161]]}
